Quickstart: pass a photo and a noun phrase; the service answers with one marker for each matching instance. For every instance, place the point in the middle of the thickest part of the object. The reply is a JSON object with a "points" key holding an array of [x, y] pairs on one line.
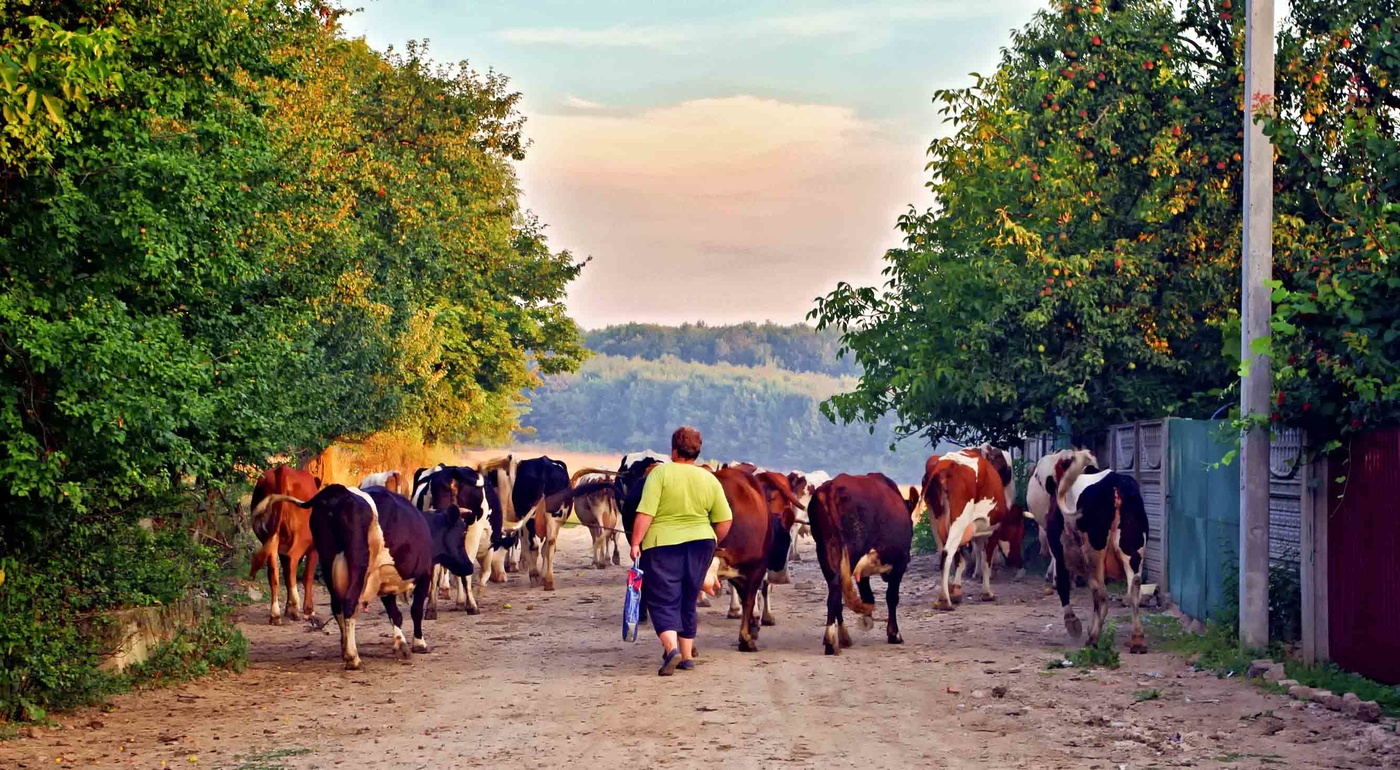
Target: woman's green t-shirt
{"points": [[684, 501]]}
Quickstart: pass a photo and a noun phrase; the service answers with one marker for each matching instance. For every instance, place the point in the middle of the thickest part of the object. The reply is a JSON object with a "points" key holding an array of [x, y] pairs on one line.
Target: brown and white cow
{"points": [[966, 503], [393, 481], [285, 533], [1012, 530], [860, 519], [1038, 500], [803, 485], [1096, 517], [600, 513]]}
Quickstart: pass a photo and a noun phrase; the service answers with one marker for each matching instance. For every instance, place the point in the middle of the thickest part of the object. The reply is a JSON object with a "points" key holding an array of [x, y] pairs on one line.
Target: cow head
{"points": [[451, 542]]}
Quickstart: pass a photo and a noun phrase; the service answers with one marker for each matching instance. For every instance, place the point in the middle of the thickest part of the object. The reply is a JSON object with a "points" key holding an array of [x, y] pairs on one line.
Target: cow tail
{"points": [[848, 588], [269, 519]]}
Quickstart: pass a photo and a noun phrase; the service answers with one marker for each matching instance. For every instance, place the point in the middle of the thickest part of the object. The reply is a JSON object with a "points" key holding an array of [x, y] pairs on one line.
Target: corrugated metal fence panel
{"points": [[1363, 556], [1286, 496], [1138, 449], [1203, 516]]}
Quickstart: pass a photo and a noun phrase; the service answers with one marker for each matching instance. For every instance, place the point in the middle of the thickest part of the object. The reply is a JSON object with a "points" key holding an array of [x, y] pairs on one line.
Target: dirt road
{"points": [[547, 683]]}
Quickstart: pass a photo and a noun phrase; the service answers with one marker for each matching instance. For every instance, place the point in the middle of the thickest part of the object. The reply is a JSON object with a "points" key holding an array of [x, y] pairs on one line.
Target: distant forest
{"points": [[796, 348], [740, 385]]}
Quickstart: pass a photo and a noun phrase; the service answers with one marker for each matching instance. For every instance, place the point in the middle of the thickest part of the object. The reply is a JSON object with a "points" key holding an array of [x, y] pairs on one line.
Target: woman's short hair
{"points": [[686, 442]]}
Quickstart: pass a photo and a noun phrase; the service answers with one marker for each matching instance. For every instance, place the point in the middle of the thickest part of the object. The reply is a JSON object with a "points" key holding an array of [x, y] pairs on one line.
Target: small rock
{"points": [[979, 694], [1000, 691], [989, 671], [1300, 692], [31, 732], [1327, 699], [952, 690], [1015, 670], [95, 724], [1276, 673], [1365, 710], [1287, 683], [254, 595], [1271, 725], [1258, 667]]}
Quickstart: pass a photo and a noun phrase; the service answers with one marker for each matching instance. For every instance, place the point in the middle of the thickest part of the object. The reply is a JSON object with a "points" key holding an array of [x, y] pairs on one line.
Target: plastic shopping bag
{"points": [[632, 605]]}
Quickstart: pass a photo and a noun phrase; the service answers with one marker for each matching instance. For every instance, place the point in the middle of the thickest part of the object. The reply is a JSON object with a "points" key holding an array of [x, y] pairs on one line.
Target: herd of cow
{"points": [[459, 527]]}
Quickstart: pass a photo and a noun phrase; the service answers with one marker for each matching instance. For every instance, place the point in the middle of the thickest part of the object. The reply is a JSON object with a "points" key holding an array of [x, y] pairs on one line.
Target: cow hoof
{"points": [[430, 614], [1074, 628], [275, 621], [831, 649], [1092, 641], [768, 622], [352, 665], [473, 610], [956, 595], [293, 615], [734, 614], [600, 565], [988, 598], [549, 585], [1138, 645], [866, 622], [943, 605], [895, 638], [704, 601], [420, 645], [402, 652], [1048, 591], [748, 645]]}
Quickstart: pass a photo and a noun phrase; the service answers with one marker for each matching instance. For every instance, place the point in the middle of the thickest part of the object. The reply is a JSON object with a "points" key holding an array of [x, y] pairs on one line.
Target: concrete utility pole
{"points": [[1256, 271]]}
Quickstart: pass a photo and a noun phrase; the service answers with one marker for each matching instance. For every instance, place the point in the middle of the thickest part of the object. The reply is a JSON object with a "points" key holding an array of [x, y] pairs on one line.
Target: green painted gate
{"points": [[1203, 516]]}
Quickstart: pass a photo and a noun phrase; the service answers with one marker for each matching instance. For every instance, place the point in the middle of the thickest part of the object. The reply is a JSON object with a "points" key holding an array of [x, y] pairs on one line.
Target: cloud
{"points": [[609, 37], [722, 209], [865, 25], [576, 103]]}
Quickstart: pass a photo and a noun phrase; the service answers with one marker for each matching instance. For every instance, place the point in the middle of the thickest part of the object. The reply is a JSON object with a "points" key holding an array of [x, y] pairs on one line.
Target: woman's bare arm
{"points": [[639, 531]]}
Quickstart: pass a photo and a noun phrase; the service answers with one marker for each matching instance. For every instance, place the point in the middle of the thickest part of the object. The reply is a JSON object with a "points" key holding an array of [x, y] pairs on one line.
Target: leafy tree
{"points": [[798, 347], [1336, 325], [1083, 257]]}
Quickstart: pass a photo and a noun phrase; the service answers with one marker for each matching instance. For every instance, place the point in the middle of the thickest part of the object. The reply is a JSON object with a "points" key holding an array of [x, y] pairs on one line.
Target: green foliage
{"points": [[1142, 696], [797, 348], [1328, 676], [193, 653], [1217, 650], [1084, 254], [765, 415], [230, 233], [1102, 654], [1336, 321], [924, 539]]}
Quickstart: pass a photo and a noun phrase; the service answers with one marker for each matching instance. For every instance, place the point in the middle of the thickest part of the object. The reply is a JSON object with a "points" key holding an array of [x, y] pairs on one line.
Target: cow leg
{"points": [[421, 593], [747, 642], [439, 574], [735, 606], [830, 641], [617, 551], [892, 581], [867, 595], [552, 526], [951, 587], [985, 563], [308, 581], [793, 555], [1138, 644], [767, 616], [1096, 586], [290, 574], [600, 547], [273, 578], [391, 606]]}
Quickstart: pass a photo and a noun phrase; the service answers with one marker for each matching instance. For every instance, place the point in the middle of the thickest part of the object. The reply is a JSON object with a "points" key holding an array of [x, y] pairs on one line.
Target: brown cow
{"points": [[966, 503], [743, 555], [783, 506], [862, 519], [1013, 528], [391, 480], [285, 532]]}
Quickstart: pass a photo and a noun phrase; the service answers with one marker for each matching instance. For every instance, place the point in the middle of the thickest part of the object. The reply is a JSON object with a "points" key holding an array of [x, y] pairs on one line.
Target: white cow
{"points": [[1038, 498]]}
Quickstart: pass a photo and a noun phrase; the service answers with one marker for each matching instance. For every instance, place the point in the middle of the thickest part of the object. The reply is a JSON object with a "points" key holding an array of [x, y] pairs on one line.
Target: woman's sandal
{"points": [[669, 663], [686, 665]]}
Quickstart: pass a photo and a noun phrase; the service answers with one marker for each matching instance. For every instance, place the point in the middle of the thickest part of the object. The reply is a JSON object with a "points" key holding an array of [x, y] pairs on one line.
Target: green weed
{"points": [[1142, 696], [267, 760]]}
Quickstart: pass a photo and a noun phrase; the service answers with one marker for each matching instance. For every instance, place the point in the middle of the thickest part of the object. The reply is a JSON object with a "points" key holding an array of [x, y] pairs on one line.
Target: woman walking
{"points": [[682, 514]]}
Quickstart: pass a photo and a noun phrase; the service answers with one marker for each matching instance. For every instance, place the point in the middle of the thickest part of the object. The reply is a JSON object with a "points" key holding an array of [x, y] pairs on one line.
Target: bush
{"points": [[195, 652]]}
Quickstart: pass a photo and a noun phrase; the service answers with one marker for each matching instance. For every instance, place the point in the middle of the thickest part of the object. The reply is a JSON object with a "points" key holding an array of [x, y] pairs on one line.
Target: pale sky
{"points": [[721, 161]]}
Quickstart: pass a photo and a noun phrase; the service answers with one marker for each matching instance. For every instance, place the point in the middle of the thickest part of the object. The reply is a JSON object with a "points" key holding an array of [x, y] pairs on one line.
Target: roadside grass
{"points": [[1219, 651], [1142, 696], [1104, 653]]}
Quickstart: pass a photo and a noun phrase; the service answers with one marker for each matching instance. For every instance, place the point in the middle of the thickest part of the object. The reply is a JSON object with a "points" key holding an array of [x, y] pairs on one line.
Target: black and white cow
{"points": [[373, 543], [1096, 515], [444, 486], [536, 479]]}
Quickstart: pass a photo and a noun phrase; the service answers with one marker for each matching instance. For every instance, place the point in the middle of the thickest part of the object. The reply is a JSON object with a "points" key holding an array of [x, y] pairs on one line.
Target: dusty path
{"points": [[548, 683]]}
